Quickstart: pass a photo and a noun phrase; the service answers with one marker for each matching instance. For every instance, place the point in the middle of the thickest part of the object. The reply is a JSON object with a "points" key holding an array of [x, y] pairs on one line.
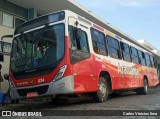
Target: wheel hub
{"points": [[102, 89]]}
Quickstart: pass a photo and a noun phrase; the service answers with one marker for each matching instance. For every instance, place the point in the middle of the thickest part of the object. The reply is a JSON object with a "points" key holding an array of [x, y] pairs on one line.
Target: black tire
{"points": [[15, 101], [58, 101], [144, 90], [116, 94], [102, 94]]}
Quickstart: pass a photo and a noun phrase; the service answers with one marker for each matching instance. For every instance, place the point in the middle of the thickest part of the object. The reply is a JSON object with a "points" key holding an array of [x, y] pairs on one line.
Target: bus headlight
{"points": [[60, 73]]}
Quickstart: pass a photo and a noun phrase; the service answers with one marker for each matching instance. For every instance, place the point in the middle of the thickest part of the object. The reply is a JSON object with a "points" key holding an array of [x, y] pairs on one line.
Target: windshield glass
{"points": [[38, 49]]}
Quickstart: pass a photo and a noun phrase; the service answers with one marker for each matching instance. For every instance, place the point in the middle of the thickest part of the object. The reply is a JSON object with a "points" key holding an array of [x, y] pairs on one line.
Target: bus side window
{"points": [[113, 48], [79, 49], [148, 62], [134, 55], [83, 42], [141, 58], [73, 44], [152, 61], [78, 44], [99, 42], [125, 48]]}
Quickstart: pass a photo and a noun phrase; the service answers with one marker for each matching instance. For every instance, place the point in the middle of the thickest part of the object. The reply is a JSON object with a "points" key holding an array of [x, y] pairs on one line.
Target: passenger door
{"points": [[80, 57]]}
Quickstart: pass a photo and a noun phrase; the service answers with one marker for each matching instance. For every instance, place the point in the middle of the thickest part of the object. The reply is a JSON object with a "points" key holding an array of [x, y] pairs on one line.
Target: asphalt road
{"points": [[126, 102]]}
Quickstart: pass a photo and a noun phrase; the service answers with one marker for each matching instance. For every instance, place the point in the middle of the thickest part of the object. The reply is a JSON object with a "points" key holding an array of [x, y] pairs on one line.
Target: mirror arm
{"points": [[6, 36]]}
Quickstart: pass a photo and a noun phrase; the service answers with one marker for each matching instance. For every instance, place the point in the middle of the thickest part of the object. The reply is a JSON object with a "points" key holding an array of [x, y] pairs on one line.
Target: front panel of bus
{"points": [[39, 58]]}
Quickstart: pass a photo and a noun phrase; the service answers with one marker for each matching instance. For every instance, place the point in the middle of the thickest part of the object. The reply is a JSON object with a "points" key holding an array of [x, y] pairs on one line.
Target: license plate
{"points": [[32, 94]]}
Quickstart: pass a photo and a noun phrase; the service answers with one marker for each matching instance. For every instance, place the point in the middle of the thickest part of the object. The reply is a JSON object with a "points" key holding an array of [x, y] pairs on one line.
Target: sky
{"points": [[140, 19]]}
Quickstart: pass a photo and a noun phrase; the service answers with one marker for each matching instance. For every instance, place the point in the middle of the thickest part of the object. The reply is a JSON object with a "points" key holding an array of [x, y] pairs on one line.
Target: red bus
{"points": [[63, 53]]}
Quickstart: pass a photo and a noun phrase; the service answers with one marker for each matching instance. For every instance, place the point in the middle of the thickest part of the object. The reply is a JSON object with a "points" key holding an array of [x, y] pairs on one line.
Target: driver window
{"points": [[75, 44]]}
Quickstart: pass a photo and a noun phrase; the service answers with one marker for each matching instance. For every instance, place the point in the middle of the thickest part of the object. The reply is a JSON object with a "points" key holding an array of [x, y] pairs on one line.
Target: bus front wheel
{"points": [[102, 94]]}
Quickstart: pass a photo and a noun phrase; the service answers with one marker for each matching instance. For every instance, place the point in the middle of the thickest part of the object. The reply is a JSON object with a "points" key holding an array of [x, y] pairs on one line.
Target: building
{"points": [[15, 12]]}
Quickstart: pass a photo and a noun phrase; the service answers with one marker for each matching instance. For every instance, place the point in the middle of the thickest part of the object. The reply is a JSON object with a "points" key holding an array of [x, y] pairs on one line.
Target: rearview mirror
{"points": [[2, 43], [6, 76], [78, 33]]}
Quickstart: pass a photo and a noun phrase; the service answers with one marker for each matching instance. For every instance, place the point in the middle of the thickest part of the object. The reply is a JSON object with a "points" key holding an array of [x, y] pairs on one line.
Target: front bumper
{"points": [[62, 86]]}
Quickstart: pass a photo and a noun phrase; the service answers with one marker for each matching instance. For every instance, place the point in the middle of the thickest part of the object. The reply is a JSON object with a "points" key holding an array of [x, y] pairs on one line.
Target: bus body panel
{"points": [[63, 86], [85, 79]]}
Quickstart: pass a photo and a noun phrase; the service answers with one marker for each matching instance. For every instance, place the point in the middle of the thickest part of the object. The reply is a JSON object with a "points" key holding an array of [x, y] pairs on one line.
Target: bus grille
{"points": [[24, 75], [40, 90]]}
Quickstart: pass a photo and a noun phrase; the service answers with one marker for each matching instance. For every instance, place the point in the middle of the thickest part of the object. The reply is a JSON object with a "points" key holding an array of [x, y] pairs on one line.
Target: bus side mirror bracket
{"points": [[2, 42], [78, 33]]}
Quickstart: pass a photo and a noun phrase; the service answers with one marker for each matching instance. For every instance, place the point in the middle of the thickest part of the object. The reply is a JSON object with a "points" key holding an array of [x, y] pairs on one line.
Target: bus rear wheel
{"points": [[102, 94], [144, 90]]}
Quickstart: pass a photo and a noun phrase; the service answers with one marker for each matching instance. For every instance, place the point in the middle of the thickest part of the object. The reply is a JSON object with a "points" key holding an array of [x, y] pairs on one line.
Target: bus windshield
{"points": [[39, 48]]}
